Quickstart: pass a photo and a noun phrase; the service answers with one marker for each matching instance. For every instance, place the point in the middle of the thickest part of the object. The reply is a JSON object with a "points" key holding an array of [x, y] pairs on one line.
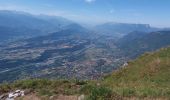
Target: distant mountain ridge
{"points": [[121, 29], [21, 19], [45, 24], [20, 24]]}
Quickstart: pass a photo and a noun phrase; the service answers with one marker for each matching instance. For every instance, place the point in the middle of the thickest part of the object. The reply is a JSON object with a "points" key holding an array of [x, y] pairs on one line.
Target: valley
{"points": [[66, 56], [67, 50], [60, 57]]}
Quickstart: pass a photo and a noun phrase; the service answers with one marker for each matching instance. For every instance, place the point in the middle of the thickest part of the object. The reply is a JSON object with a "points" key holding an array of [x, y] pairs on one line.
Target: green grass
{"points": [[45, 87], [146, 77]]}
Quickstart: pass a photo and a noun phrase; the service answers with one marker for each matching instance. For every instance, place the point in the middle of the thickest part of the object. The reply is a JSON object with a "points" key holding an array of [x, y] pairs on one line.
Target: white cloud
{"points": [[89, 1]]}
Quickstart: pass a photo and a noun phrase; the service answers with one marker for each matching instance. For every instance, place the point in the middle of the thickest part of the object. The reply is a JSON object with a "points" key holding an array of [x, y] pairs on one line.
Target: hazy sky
{"points": [[154, 12]]}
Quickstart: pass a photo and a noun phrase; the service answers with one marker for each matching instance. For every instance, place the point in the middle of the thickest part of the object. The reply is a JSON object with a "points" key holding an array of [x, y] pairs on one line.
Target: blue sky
{"points": [[154, 12]]}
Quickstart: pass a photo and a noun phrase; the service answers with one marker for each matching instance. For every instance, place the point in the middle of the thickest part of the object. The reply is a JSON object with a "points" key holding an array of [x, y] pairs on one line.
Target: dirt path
{"points": [[29, 97], [63, 97]]}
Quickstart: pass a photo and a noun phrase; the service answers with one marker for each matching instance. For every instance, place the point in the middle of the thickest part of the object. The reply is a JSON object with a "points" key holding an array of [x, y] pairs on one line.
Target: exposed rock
{"points": [[3, 96], [13, 95], [51, 97], [81, 97]]}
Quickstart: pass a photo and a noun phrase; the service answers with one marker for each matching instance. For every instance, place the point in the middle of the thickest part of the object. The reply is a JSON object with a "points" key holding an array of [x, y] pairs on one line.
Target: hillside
{"points": [[147, 77], [8, 34], [136, 43]]}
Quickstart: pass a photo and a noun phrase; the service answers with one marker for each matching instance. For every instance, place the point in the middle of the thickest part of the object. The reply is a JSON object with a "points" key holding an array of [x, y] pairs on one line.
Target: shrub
{"points": [[100, 93], [79, 82], [87, 89], [4, 88]]}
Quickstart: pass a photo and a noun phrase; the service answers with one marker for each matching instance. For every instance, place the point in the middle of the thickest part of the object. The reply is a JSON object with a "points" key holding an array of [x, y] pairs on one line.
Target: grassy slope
{"points": [[147, 76]]}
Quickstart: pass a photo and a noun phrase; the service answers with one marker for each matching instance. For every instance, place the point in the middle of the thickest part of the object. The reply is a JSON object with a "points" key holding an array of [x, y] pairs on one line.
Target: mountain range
{"points": [[120, 29], [44, 46], [21, 24]]}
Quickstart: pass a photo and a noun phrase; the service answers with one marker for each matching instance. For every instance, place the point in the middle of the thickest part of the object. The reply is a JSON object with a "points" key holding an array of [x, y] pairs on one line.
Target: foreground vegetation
{"points": [[146, 77]]}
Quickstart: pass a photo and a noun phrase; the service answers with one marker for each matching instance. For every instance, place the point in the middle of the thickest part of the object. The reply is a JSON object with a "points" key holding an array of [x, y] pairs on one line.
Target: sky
{"points": [[153, 12]]}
